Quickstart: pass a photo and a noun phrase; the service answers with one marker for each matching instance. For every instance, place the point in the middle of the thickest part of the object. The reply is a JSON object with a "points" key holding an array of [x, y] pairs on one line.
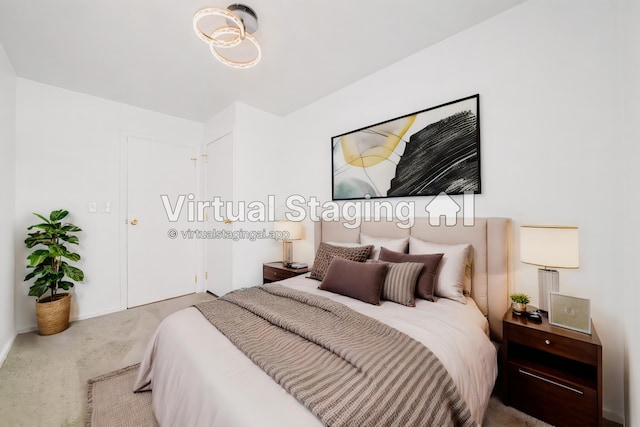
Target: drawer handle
{"points": [[547, 342], [575, 390]]}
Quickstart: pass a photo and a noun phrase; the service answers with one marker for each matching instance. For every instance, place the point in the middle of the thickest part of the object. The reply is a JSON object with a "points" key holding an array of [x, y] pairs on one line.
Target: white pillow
{"points": [[396, 245], [450, 277], [346, 244], [468, 273]]}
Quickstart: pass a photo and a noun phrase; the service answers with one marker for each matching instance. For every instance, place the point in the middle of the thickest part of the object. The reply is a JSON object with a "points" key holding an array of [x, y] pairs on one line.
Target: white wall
{"points": [[630, 85], [550, 119], [257, 174], [7, 201], [220, 124], [256, 170], [67, 155]]}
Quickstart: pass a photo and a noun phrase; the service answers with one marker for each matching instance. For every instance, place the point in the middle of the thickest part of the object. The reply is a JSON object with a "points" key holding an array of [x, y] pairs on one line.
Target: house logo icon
{"points": [[445, 206]]}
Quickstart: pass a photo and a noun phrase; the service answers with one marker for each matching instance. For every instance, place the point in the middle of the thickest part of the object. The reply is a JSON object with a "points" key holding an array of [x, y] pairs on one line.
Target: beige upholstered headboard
{"points": [[489, 238]]}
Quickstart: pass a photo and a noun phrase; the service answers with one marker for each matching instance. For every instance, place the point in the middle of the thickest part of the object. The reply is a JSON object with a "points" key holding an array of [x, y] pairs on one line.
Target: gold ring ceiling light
{"points": [[241, 21]]}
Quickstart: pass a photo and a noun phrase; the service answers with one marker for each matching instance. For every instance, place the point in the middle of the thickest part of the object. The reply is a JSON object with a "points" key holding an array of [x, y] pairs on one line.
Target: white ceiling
{"points": [[145, 53]]}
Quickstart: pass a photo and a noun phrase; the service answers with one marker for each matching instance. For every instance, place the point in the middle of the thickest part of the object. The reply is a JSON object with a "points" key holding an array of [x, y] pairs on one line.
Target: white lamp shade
{"points": [[293, 228], [549, 246]]}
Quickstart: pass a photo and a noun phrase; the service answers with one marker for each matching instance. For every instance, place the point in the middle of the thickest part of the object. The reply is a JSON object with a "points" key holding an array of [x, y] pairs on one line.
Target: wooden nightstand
{"points": [[274, 271], [552, 373]]}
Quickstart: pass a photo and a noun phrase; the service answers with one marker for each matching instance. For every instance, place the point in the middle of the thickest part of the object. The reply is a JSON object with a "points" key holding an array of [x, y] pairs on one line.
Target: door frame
{"points": [[123, 220], [204, 192]]}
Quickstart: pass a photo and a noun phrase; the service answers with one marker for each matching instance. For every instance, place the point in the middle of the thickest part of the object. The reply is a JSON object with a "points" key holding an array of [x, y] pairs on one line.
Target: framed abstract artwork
{"points": [[421, 154]]}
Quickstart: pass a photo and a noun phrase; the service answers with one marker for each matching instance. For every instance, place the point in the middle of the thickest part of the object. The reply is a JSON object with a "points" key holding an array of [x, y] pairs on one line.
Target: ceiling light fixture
{"points": [[241, 21]]}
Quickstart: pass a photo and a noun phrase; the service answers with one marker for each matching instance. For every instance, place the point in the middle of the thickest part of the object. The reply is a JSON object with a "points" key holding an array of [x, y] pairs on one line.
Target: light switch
{"points": [[93, 207], [106, 207]]}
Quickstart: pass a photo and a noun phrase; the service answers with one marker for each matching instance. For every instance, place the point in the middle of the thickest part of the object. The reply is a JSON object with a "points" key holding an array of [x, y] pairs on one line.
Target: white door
{"points": [[160, 257], [219, 182]]}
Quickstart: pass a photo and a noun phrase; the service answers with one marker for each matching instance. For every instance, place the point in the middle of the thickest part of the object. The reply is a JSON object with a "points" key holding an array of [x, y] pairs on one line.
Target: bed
{"points": [[199, 377]]}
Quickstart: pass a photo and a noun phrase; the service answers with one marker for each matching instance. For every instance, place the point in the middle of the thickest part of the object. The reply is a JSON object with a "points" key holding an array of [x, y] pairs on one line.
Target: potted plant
{"points": [[520, 302], [50, 268]]}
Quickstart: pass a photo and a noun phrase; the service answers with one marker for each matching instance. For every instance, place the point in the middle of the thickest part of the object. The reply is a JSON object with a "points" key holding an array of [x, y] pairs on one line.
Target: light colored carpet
{"points": [[44, 380], [499, 415]]}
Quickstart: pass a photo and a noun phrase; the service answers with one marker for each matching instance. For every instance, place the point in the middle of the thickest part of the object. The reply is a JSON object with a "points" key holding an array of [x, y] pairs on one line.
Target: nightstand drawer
{"points": [[553, 343], [275, 274], [550, 399]]}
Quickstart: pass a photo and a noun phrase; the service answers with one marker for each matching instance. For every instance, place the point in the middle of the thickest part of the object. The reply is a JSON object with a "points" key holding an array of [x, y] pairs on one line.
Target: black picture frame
{"points": [[426, 153]]}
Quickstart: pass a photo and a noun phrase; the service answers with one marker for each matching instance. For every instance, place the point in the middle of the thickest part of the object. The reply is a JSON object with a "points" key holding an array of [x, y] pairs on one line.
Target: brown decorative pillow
{"points": [[355, 279], [327, 252], [400, 282], [425, 285]]}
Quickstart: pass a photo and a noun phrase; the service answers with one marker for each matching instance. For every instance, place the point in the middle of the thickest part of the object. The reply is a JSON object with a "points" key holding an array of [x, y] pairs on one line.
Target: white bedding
{"points": [[200, 379]]}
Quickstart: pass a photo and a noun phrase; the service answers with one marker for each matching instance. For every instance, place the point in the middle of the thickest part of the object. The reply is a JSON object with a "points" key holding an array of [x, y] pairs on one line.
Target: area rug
{"points": [[113, 403]]}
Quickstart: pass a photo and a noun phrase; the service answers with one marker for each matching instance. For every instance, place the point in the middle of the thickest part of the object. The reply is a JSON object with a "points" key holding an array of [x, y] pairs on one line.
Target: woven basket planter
{"points": [[53, 316]]}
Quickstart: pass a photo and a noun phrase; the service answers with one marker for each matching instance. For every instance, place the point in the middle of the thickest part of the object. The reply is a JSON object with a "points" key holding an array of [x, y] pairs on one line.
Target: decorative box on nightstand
{"points": [[274, 271], [552, 373]]}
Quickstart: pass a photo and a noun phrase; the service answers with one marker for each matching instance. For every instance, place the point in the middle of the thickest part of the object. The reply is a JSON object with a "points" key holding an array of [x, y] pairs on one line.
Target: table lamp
{"points": [[551, 247], [290, 230]]}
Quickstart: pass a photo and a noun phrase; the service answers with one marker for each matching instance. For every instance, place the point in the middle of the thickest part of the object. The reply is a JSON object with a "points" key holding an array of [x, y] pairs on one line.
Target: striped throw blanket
{"points": [[347, 368]]}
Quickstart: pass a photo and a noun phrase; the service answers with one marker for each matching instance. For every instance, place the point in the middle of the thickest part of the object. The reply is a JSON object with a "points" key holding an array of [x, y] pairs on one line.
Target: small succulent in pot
{"points": [[520, 301]]}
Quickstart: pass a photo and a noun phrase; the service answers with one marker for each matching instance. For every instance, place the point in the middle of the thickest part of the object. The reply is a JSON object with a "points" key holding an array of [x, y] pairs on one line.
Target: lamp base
{"points": [[287, 253], [548, 281]]}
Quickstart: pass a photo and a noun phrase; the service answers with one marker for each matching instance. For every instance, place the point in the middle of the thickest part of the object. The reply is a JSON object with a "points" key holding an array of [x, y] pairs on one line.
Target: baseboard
{"points": [[34, 328], [610, 416], [27, 330], [6, 349], [95, 314]]}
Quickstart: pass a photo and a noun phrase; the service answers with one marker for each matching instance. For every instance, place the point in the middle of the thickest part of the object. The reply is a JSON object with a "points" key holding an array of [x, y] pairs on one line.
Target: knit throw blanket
{"points": [[347, 368]]}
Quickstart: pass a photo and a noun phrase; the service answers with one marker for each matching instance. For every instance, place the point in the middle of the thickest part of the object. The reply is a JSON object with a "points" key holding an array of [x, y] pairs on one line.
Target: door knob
{"points": [[134, 221], [227, 221]]}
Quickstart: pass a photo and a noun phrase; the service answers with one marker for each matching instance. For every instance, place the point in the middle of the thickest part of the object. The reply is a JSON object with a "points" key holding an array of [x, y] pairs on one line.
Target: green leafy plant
{"points": [[519, 298], [49, 266]]}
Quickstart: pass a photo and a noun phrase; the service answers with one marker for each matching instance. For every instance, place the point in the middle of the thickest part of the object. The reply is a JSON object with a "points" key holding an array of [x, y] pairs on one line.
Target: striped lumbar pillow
{"points": [[400, 283]]}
